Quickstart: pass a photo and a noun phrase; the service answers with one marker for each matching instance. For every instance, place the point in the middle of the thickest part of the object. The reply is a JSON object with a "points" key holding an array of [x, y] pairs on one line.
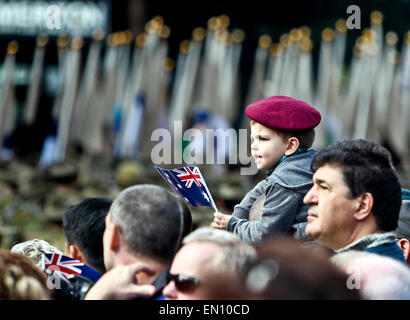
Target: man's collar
{"points": [[369, 241]]}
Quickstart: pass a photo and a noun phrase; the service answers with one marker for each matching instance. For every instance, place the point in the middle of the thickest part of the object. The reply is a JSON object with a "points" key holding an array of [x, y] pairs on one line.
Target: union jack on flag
{"points": [[189, 176], [67, 267], [189, 184]]}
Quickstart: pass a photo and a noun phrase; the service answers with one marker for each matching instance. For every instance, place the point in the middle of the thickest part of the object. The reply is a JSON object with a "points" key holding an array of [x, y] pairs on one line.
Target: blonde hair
{"points": [[34, 249]]}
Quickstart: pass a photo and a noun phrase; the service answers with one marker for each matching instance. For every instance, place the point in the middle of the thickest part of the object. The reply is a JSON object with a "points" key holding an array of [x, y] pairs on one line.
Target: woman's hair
{"points": [[34, 249], [20, 279]]}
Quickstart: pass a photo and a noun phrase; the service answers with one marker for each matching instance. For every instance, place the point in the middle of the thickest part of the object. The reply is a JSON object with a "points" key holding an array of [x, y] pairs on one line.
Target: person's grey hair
{"points": [[236, 256], [34, 249], [343, 258], [150, 221], [378, 277]]}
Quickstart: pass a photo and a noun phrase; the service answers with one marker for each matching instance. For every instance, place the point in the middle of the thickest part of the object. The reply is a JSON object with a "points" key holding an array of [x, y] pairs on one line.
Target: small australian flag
{"points": [[67, 267], [189, 184]]}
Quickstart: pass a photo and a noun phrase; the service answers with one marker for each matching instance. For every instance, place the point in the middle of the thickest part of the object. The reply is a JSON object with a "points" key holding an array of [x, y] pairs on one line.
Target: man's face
{"points": [[267, 146], [330, 216], [192, 260]]}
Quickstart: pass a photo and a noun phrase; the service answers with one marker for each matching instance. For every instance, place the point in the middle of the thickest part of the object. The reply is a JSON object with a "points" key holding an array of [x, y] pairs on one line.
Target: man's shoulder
{"points": [[295, 171], [388, 249]]}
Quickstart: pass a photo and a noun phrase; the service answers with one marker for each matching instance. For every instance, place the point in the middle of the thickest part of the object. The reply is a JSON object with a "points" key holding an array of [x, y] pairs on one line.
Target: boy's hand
{"points": [[220, 220]]}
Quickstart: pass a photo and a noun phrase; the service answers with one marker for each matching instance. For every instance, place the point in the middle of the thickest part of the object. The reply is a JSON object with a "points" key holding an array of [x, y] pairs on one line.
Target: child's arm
{"points": [[279, 212]]}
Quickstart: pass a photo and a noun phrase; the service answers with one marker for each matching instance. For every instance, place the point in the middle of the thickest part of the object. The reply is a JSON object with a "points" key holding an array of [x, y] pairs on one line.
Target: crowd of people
{"points": [[329, 224]]}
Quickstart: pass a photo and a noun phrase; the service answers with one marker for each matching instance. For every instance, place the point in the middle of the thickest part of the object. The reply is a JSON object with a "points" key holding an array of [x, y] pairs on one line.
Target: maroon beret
{"points": [[283, 113]]}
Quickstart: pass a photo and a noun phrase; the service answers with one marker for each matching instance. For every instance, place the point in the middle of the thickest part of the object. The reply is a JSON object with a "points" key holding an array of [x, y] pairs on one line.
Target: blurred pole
{"points": [[364, 117], [157, 90], [304, 80], [69, 97], [257, 79], [7, 109], [394, 114], [202, 98], [384, 83], [128, 136], [274, 72], [323, 86], [350, 98], [87, 116], [292, 56], [405, 95], [36, 73], [229, 89], [179, 104], [62, 45]]}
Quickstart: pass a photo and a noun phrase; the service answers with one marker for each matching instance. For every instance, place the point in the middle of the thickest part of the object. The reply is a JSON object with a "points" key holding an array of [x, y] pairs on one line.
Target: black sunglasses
{"points": [[183, 282]]}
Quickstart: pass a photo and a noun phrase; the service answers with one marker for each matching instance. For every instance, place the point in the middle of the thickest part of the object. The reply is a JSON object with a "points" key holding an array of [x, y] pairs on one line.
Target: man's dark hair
{"points": [[150, 221], [366, 167], [84, 225]]}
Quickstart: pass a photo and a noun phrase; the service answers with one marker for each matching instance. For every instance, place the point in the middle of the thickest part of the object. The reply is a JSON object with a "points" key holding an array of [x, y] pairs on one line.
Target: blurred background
{"points": [[83, 84]]}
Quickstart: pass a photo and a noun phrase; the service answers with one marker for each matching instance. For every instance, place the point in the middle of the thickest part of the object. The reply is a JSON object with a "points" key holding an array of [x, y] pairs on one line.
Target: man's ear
{"points": [[364, 206], [404, 244], [114, 237], [293, 145], [75, 253]]}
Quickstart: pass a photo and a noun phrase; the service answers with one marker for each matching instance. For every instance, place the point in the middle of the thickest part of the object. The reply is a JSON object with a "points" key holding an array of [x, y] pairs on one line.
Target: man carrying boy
{"points": [[282, 131]]}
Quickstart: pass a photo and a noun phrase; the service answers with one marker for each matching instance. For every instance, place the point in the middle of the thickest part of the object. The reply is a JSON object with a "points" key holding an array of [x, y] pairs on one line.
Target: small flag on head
{"points": [[67, 267], [189, 184]]}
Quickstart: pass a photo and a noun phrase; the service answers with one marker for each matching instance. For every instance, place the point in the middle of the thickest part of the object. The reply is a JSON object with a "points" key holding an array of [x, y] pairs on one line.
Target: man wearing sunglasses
{"points": [[207, 255]]}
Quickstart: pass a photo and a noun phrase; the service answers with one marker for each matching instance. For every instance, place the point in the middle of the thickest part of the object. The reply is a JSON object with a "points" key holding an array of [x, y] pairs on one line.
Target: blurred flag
{"points": [[67, 267], [49, 152], [189, 184], [128, 143]]}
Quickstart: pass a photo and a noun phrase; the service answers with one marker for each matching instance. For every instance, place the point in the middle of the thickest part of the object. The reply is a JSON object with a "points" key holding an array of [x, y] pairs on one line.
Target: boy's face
{"points": [[267, 146]]}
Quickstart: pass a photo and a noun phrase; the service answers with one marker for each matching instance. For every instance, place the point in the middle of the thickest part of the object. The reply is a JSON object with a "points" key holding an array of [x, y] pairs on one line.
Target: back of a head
{"points": [[228, 266], [286, 270], [20, 279], [84, 226], [34, 249], [367, 167], [236, 255], [377, 277], [150, 221]]}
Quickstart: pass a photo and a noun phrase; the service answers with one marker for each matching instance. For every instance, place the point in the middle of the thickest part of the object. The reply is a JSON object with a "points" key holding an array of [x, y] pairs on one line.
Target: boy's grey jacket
{"points": [[283, 210]]}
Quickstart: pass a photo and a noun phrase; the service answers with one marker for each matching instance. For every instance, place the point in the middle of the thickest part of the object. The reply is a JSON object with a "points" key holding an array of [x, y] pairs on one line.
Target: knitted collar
{"points": [[298, 151], [371, 240]]}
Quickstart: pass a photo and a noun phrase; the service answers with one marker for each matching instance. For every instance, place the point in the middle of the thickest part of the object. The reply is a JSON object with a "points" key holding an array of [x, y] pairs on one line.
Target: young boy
{"points": [[282, 131]]}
